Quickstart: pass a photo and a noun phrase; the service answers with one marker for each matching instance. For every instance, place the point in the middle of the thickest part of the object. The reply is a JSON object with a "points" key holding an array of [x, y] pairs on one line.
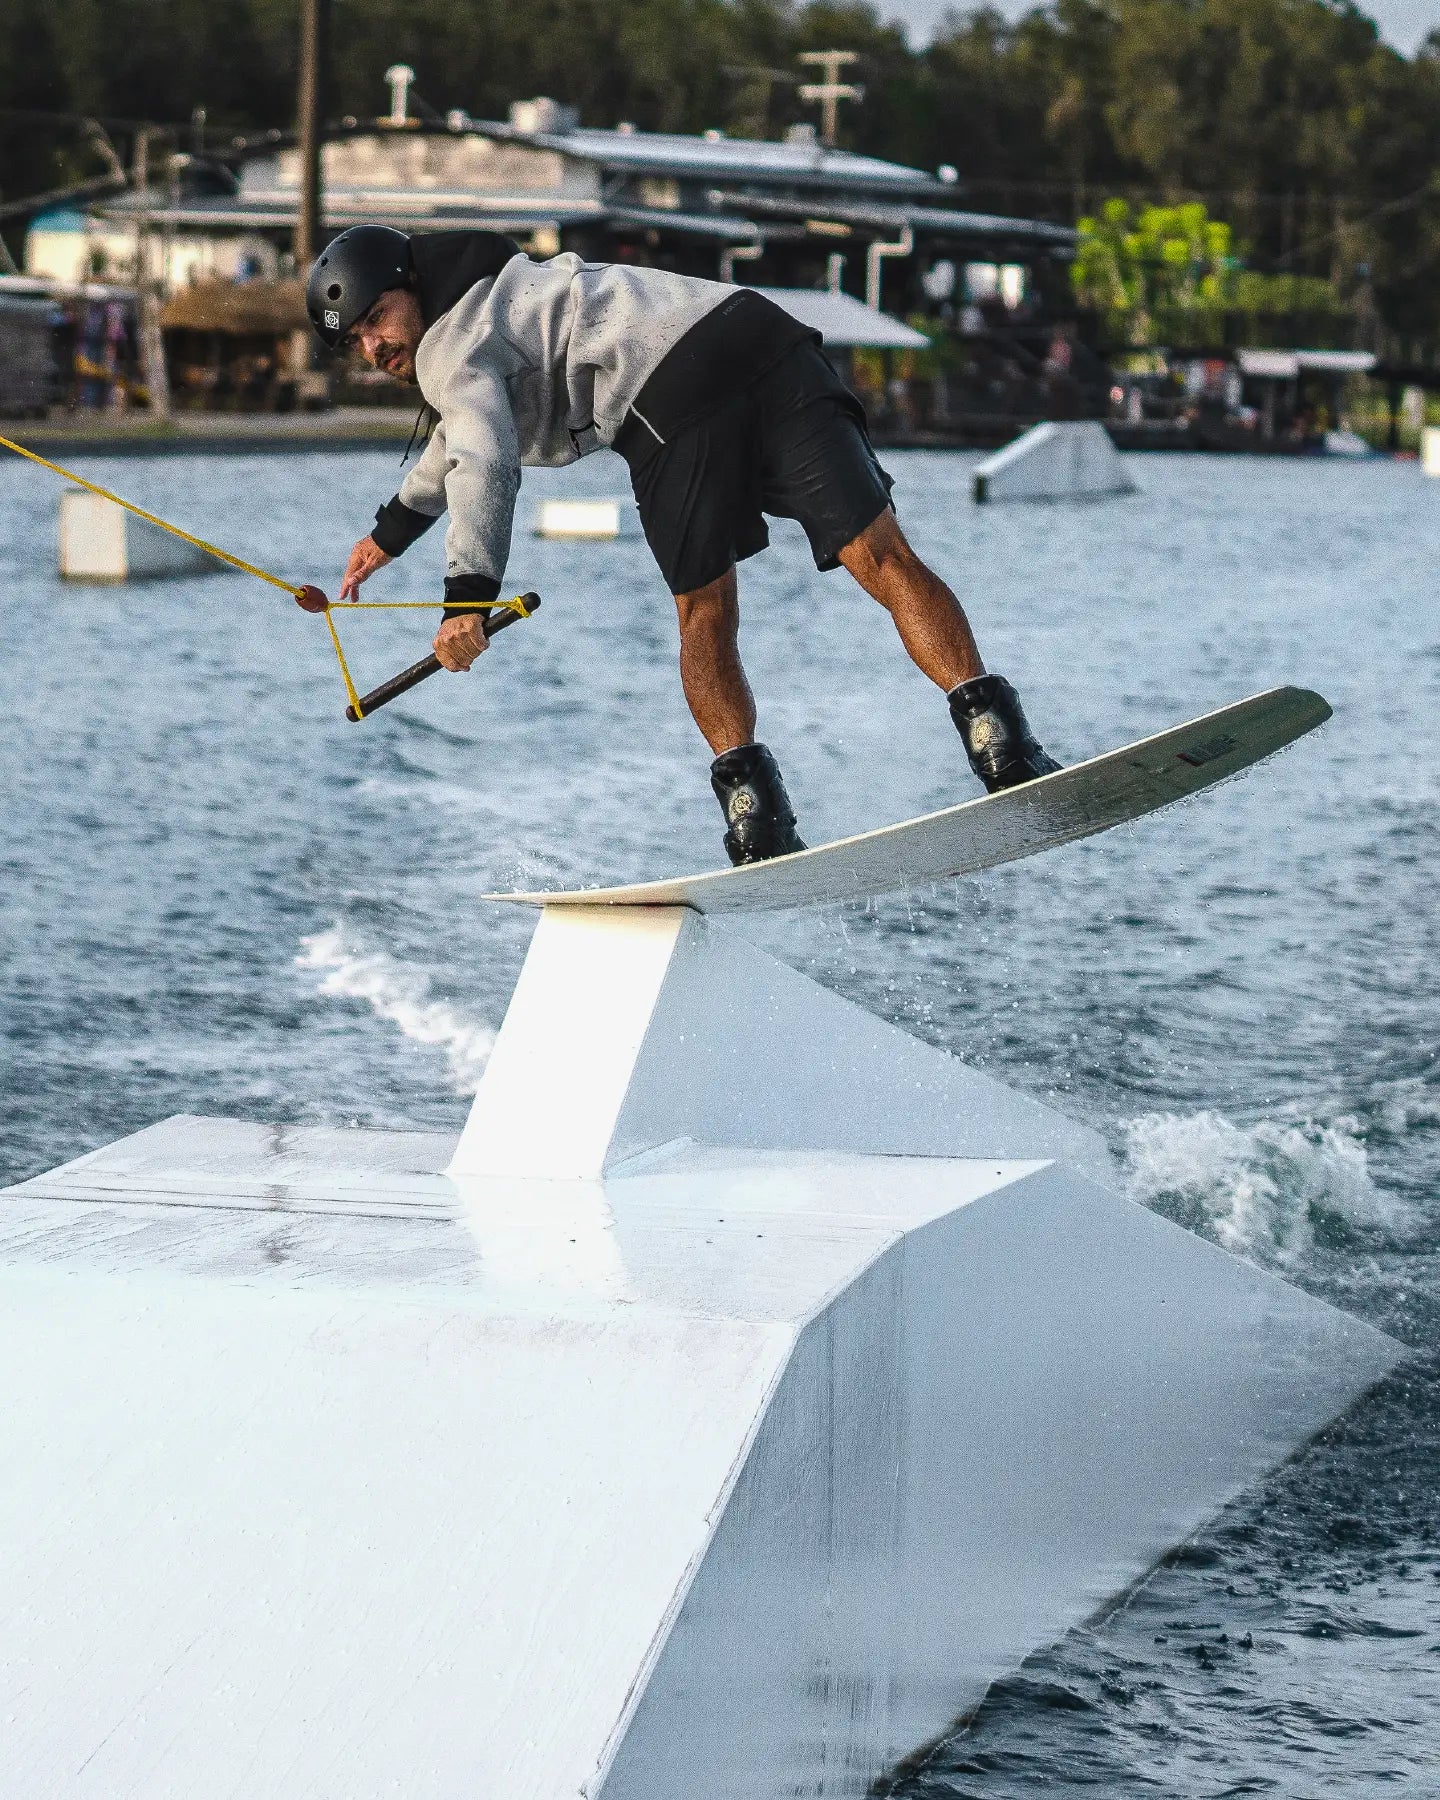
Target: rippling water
{"points": [[216, 896]]}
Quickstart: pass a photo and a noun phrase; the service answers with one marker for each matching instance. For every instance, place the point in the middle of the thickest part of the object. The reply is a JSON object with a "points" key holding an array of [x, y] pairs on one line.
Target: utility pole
{"points": [[831, 90], [311, 386], [147, 286]]}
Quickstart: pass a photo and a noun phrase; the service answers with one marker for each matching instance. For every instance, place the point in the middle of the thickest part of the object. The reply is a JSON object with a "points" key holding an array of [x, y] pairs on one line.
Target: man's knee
{"points": [[880, 552], [711, 610]]}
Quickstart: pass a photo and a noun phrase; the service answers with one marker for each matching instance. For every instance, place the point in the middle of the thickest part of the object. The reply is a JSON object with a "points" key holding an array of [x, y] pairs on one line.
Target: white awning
{"points": [[845, 321], [1338, 362], [1285, 365]]}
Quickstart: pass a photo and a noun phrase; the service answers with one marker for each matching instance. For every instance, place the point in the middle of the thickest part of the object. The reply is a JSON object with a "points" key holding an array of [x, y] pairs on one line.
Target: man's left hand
{"points": [[459, 641]]}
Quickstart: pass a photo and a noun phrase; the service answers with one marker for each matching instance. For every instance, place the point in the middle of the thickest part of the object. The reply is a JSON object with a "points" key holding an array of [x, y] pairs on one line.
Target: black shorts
{"points": [[792, 444]]}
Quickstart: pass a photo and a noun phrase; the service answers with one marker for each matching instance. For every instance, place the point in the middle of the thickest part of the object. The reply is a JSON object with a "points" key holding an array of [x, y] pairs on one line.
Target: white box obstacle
{"points": [[100, 541], [1430, 449], [1060, 460], [587, 519], [756, 1386]]}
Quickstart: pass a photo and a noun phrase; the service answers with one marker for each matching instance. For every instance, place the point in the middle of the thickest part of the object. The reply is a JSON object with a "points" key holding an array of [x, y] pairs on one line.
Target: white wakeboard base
{"points": [[1077, 802]]}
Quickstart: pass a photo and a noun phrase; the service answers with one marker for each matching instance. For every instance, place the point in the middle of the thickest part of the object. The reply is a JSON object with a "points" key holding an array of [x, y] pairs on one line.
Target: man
{"points": [[724, 409]]}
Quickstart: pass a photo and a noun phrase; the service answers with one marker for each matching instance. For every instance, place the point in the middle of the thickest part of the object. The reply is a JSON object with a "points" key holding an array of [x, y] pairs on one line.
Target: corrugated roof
{"points": [[936, 221], [714, 158], [728, 227], [342, 208], [50, 286]]}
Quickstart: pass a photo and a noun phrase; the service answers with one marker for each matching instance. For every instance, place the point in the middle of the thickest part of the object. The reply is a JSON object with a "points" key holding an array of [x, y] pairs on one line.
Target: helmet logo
{"points": [[332, 321]]}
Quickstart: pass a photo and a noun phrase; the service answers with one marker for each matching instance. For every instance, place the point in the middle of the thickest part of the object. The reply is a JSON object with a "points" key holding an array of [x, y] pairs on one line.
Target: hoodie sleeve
{"points": [[481, 481], [419, 503]]}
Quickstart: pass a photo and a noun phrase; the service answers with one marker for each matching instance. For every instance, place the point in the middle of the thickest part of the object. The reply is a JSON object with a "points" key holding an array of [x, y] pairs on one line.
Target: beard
{"points": [[397, 361]]}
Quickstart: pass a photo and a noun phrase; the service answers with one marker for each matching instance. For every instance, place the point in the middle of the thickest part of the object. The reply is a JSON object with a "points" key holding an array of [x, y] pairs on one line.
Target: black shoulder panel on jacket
{"points": [[447, 264]]}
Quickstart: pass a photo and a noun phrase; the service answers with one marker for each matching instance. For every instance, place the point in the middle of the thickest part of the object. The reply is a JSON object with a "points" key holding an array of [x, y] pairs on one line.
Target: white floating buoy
{"points": [[1060, 460], [100, 541], [587, 519], [1430, 449]]}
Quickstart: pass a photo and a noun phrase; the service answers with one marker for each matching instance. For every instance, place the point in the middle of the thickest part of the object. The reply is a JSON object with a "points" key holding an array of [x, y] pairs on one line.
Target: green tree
{"points": [[1172, 272], [1161, 261]]}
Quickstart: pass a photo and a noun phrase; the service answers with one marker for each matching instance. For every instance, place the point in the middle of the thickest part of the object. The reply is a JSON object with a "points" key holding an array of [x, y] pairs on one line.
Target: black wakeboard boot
{"points": [[1003, 750], [757, 809]]}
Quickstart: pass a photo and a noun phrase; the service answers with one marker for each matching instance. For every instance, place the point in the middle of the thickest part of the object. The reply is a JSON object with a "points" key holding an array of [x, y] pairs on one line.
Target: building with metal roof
{"points": [[796, 212], [825, 225]]}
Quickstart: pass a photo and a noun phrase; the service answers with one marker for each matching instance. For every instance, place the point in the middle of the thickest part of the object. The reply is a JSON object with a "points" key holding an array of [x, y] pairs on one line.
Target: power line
{"points": [[77, 190], [88, 118]]}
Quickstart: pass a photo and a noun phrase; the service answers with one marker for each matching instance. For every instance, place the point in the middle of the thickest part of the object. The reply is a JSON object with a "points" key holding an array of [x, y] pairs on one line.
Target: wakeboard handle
{"points": [[430, 665]]}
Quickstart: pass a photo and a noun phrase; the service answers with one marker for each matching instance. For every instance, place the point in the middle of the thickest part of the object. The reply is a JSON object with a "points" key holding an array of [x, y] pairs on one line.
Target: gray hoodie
{"points": [[536, 366]]}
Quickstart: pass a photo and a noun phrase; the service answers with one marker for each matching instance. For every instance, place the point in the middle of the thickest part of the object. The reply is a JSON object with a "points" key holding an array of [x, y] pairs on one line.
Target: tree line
{"points": [[1316, 143]]}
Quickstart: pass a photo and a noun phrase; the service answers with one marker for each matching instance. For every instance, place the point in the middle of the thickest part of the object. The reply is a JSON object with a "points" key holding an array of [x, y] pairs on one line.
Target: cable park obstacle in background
{"points": [[102, 542], [1063, 459], [122, 556]]}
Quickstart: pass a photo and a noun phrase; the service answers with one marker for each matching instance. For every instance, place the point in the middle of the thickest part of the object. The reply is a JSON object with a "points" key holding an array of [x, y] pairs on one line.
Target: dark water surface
{"points": [[217, 897]]}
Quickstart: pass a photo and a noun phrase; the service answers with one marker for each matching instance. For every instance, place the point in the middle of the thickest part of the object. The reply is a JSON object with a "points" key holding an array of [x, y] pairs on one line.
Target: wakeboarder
{"points": [[723, 407]]}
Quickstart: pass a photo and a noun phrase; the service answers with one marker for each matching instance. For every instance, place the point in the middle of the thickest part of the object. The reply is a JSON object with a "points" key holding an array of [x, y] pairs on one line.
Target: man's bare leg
{"points": [[930, 620], [711, 672], [760, 822], [1002, 749]]}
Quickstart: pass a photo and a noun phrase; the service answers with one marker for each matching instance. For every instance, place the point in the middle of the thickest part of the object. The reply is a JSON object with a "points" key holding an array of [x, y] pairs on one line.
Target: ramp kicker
{"points": [[747, 1388]]}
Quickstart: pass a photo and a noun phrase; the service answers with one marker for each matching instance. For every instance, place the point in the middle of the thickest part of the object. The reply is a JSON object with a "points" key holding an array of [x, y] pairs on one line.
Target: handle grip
{"points": [[430, 665]]}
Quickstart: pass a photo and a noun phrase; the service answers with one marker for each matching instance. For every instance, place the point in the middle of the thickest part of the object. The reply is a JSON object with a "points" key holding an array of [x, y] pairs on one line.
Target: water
{"points": [[216, 896]]}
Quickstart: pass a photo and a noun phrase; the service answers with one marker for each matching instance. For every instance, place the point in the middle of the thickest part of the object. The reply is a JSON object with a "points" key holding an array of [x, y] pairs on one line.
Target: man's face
{"points": [[389, 334]]}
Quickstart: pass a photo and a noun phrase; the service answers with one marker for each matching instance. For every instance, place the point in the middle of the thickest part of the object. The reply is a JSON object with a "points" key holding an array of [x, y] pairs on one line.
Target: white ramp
{"points": [[634, 1026], [740, 1470], [742, 1473], [1060, 460], [752, 1388], [100, 541]]}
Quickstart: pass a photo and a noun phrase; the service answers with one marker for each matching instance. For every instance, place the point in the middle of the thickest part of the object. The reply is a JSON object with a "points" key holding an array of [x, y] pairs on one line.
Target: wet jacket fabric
{"points": [[534, 366]]}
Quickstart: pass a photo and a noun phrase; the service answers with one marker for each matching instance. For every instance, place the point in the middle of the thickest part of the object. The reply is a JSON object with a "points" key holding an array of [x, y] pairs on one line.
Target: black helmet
{"points": [[351, 274]]}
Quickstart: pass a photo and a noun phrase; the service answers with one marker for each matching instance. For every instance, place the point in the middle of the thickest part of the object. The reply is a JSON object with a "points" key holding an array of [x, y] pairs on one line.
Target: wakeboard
{"points": [[998, 828]]}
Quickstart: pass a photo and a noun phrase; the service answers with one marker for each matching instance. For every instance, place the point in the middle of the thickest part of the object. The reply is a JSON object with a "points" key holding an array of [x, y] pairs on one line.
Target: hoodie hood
{"points": [[447, 264]]}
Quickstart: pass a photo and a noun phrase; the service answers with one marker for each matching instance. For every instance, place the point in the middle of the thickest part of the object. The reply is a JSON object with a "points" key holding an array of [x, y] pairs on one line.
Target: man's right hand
{"points": [[365, 559], [460, 641]]}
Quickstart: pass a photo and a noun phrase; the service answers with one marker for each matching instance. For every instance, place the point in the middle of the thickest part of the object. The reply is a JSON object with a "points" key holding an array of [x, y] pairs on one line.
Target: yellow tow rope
{"points": [[238, 562]]}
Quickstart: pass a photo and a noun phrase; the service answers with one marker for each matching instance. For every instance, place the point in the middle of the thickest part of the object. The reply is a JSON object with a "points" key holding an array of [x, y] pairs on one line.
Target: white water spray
{"points": [[1259, 1189], [399, 993]]}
